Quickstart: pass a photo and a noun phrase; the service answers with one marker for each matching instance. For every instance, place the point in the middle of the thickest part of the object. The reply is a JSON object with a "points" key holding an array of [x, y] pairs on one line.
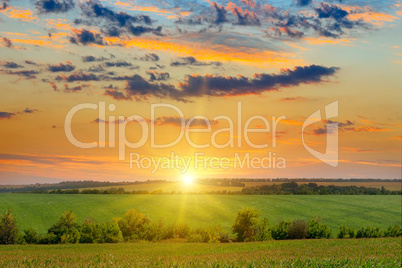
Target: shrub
{"points": [[393, 231], [111, 233], [246, 225], [181, 230], [66, 228], [132, 225], [318, 230], [298, 229], [49, 238], [154, 231], [369, 232], [280, 231], [8, 228], [209, 235], [31, 236], [91, 232], [264, 231], [346, 232]]}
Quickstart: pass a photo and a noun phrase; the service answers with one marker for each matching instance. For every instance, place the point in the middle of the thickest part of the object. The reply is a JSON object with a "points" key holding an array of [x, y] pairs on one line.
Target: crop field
{"points": [[40, 211], [384, 252]]}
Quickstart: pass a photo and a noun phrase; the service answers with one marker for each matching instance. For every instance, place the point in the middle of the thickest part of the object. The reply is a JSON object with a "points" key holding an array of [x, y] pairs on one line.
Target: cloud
{"points": [[140, 30], [218, 86], [10, 65], [30, 62], [295, 99], [86, 37], [92, 58], [4, 6], [116, 23], [176, 121], [184, 61], [6, 115], [29, 74], [7, 42], [220, 13], [244, 17], [150, 57], [74, 89], [54, 6], [303, 3], [324, 130], [196, 85], [78, 76], [331, 11], [156, 76], [62, 67], [54, 86], [94, 9], [30, 111], [117, 64], [117, 95]]}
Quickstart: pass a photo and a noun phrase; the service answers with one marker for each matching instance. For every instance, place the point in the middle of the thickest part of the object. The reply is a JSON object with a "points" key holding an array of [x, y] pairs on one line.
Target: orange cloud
{"points": [[173, 13], [368, 129], [366, 14], [59, 24], [325, 40], [291, 122], [213, 52], [19, 13]]}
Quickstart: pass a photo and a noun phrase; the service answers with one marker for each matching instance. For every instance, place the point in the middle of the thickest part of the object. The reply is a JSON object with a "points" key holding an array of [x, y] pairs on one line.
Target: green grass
{"points": [[42, 210], [377, 252]]}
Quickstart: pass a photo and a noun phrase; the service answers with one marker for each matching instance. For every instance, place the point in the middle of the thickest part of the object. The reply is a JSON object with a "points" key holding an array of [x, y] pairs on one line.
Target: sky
{"points": [[137, 90]]}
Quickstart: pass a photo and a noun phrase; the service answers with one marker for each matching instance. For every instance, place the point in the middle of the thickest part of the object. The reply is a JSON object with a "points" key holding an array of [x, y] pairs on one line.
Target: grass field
{"points": [[42, 210], [377, 252]]}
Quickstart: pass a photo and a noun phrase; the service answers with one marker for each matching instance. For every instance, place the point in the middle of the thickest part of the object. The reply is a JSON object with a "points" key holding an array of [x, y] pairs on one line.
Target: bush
{"points": [[181, 230], [246, 225], [298, 229], [369, 232], [8, 228], [345, 232], [31, 236], [91, 232], [264, 231], [132, 225], [66, 229], [393, 231], [111, 233], [154, 231], [209, 235], [280, 231], [50, 238], [318, 230]]}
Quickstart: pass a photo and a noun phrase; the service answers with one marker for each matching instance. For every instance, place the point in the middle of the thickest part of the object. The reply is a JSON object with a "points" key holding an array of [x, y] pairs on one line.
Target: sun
{"points": [[188, 179]]}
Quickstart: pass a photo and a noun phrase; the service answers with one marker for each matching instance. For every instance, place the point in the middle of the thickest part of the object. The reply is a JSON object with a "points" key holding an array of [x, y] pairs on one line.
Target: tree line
{"points": [[135, 226], [287, 188]]}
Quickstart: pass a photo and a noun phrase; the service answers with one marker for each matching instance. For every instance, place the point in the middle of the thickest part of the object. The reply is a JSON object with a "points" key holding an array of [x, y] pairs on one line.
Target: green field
{"points": [[377, 252], [42, 210]]}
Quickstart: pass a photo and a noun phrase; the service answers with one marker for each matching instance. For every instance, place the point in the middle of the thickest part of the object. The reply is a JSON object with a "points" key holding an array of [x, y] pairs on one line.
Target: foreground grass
{"points": [[384, 252], [40, 211]]}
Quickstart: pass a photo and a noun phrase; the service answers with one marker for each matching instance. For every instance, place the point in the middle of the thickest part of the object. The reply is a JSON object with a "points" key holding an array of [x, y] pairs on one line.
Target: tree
{"points": [[8, 228], [298, 229], [31, 236], [66, 228], [246, 225], [132, 225]]}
